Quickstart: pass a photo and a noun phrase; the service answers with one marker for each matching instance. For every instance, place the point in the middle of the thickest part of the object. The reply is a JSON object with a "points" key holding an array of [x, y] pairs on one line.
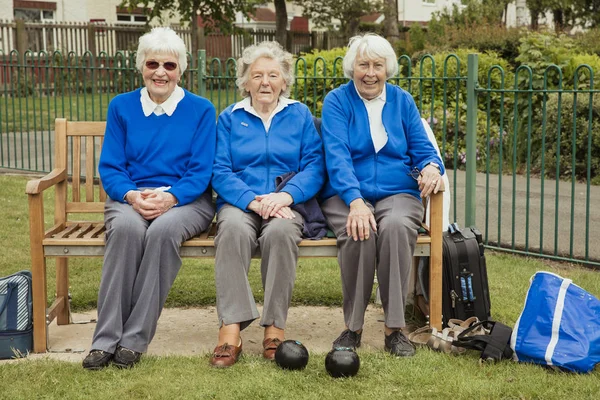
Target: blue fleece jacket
{"points": [[355, 170], [249, 159], [154, 151]]}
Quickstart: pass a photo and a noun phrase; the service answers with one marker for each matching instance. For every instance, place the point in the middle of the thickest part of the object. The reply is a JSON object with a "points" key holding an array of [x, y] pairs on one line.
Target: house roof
{"points": [[372, 18], [262, 14]]}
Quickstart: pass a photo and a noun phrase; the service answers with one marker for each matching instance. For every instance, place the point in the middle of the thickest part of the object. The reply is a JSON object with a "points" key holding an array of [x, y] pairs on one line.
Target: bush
{"points": [[564, 155], [450, 127], [317, 73]]}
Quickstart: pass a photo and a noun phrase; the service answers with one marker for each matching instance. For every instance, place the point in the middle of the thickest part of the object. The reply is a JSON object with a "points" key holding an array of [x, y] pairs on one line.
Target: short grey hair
{"points": [[370, 46], [161, 40], [267, 49]]}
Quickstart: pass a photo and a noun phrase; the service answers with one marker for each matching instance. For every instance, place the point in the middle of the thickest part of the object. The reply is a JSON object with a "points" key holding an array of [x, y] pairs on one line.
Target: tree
{"points": [[281, 22], [215, 13], [348, 12], [587, 12], [390, 23]]}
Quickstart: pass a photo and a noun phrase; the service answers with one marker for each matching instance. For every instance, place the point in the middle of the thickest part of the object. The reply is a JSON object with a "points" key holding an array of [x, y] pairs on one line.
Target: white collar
{"points": [[246, 104], [380, 97], [168, 106]]}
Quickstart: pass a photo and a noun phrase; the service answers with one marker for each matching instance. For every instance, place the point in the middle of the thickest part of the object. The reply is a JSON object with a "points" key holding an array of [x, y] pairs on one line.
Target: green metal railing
{"points": [[521, 148]]}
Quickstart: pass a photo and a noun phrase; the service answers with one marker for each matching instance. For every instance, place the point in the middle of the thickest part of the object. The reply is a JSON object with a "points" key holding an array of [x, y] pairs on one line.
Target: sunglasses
{"points": [[169, 65], [415, 173]]}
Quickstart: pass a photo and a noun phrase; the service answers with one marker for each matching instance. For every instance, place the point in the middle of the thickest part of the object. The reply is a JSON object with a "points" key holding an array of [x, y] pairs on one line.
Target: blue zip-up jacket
{"points": [[248, 158], [355, 170], [154, 151]]}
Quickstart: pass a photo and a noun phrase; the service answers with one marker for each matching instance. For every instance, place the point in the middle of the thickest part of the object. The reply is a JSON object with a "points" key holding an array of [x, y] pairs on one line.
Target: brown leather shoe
{"points": [[269, 347], [225, 355]]}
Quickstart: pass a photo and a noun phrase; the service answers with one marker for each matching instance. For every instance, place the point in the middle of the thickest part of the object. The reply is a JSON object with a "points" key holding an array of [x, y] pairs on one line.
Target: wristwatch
{"points": [[435, 165]]}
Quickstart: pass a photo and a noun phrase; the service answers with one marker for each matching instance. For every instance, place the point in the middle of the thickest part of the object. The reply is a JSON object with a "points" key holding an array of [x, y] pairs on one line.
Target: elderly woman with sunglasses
{"points": [[261, 139], [380, 164], [156, 166]]}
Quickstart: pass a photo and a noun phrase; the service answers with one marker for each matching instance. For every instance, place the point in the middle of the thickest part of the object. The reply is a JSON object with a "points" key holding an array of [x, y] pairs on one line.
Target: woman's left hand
{"points": [[275, 205], [161, 201], [430, 181]]}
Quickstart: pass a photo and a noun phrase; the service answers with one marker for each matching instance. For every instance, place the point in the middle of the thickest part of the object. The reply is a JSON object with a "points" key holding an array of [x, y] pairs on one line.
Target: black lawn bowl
{"points": [[342, 362], [291, 354]]}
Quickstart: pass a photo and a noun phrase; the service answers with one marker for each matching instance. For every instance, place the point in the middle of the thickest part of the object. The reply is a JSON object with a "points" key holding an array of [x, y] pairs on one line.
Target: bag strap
{"points": [[493, 347], [9, 288]]}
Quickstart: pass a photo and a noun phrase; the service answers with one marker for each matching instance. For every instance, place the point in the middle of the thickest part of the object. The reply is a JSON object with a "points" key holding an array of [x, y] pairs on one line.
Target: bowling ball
{"points": [[291, 354], [342, 362]]}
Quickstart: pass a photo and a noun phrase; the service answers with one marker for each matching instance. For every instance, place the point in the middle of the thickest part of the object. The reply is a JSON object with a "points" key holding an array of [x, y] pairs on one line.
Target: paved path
{"points": [[554, 223]]}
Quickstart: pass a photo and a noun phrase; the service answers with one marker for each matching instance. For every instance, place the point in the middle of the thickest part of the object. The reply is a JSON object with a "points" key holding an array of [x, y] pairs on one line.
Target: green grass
{"points": [[427, 375]]}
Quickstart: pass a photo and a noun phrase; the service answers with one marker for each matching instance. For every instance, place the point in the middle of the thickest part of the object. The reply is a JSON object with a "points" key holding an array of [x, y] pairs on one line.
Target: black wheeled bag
{"points": [[465, 291], [16, 315]]}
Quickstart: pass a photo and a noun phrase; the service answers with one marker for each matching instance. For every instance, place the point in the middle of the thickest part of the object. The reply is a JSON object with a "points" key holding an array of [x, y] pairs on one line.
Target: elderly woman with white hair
{"points": [[261, 139], [380, 164], [156, 166]]}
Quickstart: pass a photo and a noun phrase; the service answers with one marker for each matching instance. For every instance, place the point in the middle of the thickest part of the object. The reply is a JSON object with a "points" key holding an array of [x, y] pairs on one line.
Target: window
{"points": [[32, 14], [36, 11], [132, 19]]}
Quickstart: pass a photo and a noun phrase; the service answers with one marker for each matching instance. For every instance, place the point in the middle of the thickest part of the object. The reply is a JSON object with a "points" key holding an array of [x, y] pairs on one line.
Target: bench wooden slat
{"points": [[102, 192], [96, 207], [84, 128], [76, 155], [89, 169], [95, 233]]}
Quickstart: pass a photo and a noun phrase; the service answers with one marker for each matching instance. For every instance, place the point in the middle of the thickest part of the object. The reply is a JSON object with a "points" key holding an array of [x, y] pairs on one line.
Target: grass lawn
{"points": [[427, 375], [37, 113]]}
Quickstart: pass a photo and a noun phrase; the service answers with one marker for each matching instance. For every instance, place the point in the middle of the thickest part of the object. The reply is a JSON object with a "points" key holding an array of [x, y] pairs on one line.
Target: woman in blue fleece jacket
{"points": [[156, 166], [380, 163], [259, 139]]}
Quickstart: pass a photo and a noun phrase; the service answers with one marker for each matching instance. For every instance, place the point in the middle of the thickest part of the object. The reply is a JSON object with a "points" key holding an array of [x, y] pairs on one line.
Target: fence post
{"points": [[22, 42], [201, 38], [471, 141], [91, 42], [202, 72]]}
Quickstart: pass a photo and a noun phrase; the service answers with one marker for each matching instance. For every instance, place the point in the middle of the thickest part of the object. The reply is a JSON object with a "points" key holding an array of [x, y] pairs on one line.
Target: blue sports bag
{"points": [[16, 306], [559, 325]]}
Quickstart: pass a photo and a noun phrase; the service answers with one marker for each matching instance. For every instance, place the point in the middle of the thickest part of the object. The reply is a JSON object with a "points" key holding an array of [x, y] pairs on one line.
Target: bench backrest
{"points": [[77, 150]]}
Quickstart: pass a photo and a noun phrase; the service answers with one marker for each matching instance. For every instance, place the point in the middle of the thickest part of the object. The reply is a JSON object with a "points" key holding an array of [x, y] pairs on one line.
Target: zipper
{"points": [[268, 161]]}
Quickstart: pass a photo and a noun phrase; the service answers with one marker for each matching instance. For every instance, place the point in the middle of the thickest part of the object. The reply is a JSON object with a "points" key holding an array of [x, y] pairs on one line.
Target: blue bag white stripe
{"points": [[559, 325], [15, 314]]}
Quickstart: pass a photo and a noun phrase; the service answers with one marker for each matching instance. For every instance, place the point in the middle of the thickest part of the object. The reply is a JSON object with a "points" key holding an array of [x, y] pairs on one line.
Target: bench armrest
{"points": [[36, 186]]}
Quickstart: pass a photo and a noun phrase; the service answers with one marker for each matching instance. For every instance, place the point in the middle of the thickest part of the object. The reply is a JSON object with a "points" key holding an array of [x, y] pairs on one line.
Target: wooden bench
{"points": [[78, 192]]}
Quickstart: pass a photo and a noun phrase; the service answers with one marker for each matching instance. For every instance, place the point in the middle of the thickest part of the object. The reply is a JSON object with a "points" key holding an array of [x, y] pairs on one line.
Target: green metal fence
{"points": [[521, 147]]}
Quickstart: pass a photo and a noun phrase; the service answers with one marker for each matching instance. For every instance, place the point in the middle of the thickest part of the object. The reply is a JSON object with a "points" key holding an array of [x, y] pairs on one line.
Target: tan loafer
{"points": [[225, 355], [269, 347]]}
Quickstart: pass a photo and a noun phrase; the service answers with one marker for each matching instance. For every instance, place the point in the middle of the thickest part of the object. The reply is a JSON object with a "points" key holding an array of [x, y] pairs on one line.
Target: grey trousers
{"points": [[239, 235], [141, 262], [389, 251]]}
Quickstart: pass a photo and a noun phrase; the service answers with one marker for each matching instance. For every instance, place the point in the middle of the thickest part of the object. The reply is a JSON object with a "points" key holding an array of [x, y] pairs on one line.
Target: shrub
{"points": [[563, 156], [450, 127], [317, 73]]}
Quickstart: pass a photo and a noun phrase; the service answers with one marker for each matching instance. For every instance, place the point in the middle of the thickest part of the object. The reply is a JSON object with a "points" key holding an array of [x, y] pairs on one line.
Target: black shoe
{"points": [[97, 359], [348, 339], [126, 358], [398, 344]]}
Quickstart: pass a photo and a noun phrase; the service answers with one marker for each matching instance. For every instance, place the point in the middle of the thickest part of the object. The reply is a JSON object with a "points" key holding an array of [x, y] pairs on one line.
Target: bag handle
{"points": [[494, 347], [9, 288]]}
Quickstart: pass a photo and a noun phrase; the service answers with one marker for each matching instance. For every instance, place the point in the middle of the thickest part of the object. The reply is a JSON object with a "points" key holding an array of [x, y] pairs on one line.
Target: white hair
{"points": [[370, 46], [161, 40], [272, 50]]}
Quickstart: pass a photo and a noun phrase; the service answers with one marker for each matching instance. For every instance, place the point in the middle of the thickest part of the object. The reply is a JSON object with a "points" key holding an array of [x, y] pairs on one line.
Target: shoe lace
{"points": [[347, 335], [397, 337], [221, 351]]}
